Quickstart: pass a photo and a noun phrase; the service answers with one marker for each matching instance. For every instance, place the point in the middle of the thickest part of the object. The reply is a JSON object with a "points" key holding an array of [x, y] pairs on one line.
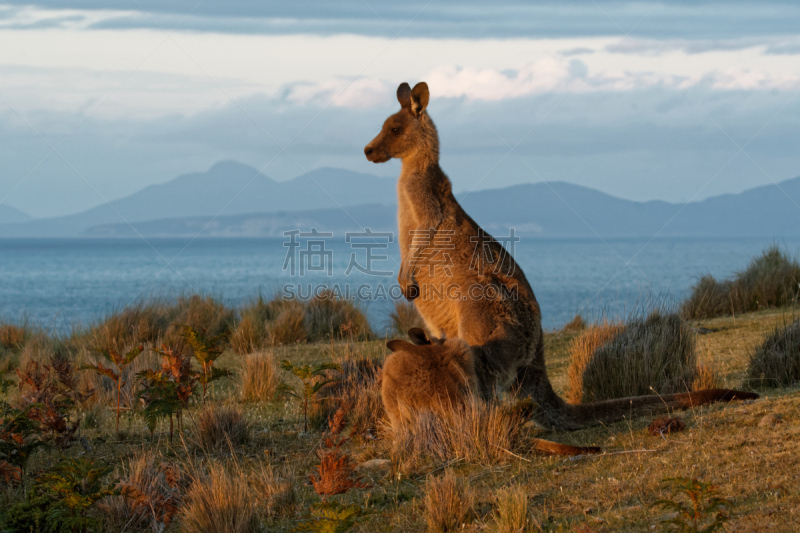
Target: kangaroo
{"points": [[476, 294]]}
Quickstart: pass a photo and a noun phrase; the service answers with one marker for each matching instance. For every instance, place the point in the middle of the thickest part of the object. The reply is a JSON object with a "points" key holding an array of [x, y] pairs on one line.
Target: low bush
{"points": [[776, 362], [448, 503], [647, 356], [205, 314], [770, 280], [328, 316], [12, 337], [288, 327]]}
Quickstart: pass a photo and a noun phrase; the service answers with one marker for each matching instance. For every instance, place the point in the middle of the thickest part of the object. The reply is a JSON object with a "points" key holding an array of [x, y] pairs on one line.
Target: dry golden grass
{"points": [[221, 428], [327, 316], [404, 317], [205, 314], [12, 337], [477, 432], [259, 377], [219, 501], [274, 491], [448, 503], [707, 378], [288, 327], [511, 513], [582, 351]]}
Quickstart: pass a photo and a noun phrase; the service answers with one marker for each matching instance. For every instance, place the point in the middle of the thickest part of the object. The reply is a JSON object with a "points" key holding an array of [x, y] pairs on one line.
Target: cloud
{"points": [[576, 52], [354, 94]]}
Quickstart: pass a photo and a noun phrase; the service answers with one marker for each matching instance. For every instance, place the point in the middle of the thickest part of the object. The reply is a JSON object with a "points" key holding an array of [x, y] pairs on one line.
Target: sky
{"points": [[669, 100]]}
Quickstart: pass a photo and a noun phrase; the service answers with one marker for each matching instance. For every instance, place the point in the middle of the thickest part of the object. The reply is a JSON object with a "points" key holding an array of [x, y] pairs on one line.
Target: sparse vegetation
{"points": [[776, 362], [770, 280], [501, 481]]}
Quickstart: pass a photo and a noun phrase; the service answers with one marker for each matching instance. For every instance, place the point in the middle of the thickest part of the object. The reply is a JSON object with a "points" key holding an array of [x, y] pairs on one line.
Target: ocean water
{"points": [[60, 284]]}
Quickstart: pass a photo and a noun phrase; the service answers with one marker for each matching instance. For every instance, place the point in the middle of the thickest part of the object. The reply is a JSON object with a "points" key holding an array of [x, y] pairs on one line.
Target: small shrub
{"points": [[404, 317], [121, 362], [144, 322], [327, 316], [581, 352], [770, 280], [166, 392], [313, 377], [219, 501], [221, 428], [776, 362], [288, 327], [448, 503], [696, 506], [356, 384], [73, 487], [511, 514], [258, 378], [654, 355], [151, 494], [205, 350]]}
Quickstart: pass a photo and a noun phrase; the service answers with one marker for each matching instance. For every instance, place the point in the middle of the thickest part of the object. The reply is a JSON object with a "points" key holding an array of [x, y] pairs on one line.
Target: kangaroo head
{"points": [[405, 132]]}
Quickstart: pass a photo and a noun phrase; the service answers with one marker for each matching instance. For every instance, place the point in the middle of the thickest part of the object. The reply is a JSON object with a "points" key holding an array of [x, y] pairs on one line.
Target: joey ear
{"points": [[397, 345], [419, 98], [404, 95], [418, 336]]}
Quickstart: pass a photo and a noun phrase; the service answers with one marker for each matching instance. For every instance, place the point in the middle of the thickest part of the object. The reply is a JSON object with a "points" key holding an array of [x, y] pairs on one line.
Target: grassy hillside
{"points": [[254, 459]]}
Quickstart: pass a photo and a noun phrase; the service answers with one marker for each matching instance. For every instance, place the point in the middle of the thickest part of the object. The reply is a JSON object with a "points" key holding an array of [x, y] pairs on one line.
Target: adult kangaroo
{"points": [[473, 297]]}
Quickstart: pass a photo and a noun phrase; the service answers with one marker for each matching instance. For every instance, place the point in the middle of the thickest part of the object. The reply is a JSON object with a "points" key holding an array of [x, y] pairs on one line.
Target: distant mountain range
{"points": [[10, 215], [214, 204]]}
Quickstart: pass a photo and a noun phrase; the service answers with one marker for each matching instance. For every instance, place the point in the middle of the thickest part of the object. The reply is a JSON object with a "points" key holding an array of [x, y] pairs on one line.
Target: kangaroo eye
{"points": [[396, 130]]}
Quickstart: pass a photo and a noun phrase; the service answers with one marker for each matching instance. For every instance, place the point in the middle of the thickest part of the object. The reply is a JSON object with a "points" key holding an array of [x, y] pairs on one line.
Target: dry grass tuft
{"points": [[259, 377], [575, 325], [404, 317], [654, 355], [707, 378], [448, 503], [288, 326], [776, 362], [221, 427], [511, 513], [219, 501], [141, 323], [770, 280], [327, 316], [275, 492], [12, 337], [581, 352], [478, 432]]}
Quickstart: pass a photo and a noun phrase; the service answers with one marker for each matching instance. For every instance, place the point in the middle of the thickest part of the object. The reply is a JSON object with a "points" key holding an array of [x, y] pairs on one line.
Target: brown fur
{"points": [[493, 344]]}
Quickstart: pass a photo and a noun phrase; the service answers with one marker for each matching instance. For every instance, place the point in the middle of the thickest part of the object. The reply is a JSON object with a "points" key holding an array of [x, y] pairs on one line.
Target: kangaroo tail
{"points": [[554, 448], [567, 416]]}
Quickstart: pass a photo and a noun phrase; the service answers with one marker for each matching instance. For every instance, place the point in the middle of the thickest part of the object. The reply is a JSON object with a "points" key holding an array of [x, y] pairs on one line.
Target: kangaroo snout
{"points": [[376, 155]]}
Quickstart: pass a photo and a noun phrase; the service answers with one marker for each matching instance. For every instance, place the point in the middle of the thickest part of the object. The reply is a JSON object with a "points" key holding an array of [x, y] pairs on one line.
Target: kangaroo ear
{"points": [[419, 98], [418, 336], [397, 345], [404, 95]]}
